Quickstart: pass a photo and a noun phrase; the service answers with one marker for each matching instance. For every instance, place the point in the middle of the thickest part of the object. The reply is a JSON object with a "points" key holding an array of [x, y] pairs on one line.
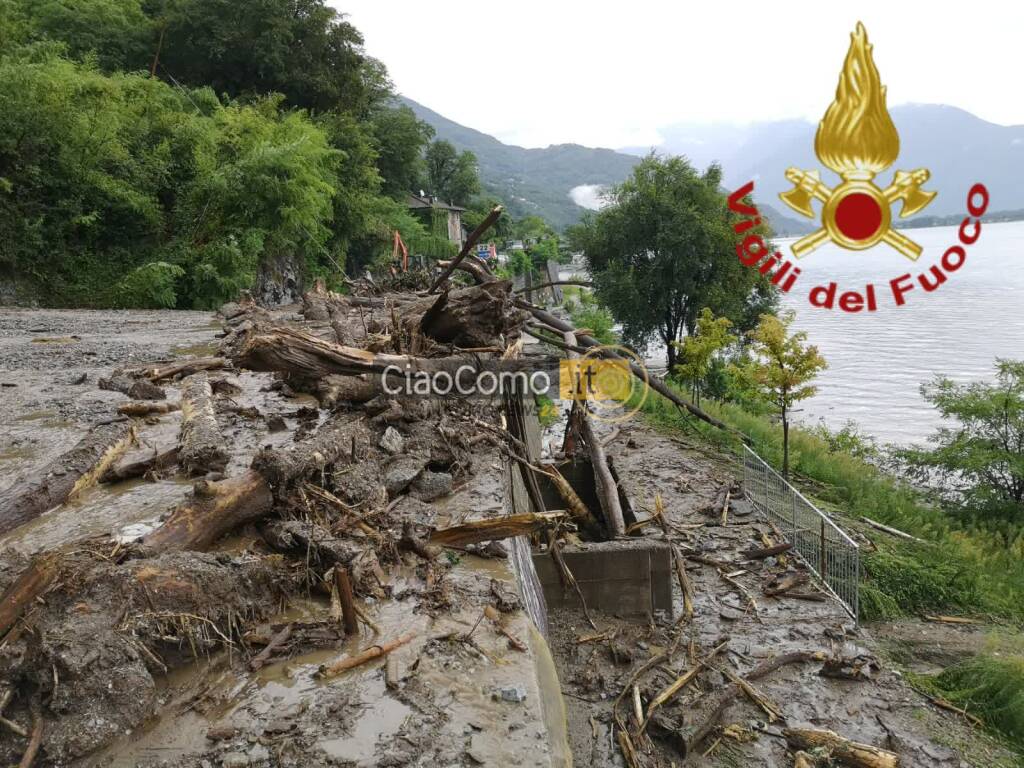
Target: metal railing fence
{"points": [[830, 554]]}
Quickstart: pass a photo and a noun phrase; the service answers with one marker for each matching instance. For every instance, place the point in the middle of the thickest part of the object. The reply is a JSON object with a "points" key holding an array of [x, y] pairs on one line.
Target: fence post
{"points": [[823, 559]]}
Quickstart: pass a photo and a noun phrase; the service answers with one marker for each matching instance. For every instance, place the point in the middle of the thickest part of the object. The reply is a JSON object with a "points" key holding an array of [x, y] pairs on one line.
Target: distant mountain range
{"points": [[958, 148]]}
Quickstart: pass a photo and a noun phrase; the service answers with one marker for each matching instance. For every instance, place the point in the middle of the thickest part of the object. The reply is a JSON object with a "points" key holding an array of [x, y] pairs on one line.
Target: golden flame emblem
{"points": [[857, 140]]}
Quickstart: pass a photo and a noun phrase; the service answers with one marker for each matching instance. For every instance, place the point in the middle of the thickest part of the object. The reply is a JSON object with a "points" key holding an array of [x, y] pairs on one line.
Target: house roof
{"points": [[429, 201]]}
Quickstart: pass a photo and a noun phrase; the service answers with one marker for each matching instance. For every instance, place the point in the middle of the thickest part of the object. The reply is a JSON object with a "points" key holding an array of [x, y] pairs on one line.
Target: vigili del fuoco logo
{"points": [[858, 141]]}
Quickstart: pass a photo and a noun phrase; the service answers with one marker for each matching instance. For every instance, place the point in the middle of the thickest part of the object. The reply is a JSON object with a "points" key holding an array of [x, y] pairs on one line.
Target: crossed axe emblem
{"points": [[857, 213]]}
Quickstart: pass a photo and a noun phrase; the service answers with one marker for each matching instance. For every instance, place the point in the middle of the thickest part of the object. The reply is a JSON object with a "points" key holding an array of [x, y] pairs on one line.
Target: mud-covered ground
{"points": [[882, 710], [147, 661]]}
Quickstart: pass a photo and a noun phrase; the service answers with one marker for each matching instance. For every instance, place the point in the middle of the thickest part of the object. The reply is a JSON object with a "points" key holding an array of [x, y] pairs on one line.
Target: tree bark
{"points": [[332, 441], [213, 510], [32, 583], [156, 462], [185, 368], [201, 447], [478, 316], [286, 349], [845, 751], [68, 474]]}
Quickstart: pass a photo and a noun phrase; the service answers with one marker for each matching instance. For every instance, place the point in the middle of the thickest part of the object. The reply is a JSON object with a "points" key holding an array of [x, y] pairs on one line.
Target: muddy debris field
{"points": [[234, 546]]}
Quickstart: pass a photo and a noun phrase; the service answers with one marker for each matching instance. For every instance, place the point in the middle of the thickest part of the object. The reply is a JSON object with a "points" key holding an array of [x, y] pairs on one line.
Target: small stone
{"points": [[432, 485], [401, 471], [234, 760], [276, 424], [513, 693], [392, 442]]}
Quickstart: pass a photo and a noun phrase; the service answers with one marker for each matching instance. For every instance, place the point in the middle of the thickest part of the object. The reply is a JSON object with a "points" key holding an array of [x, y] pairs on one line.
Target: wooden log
{"points": [[893, 531], [147, 407], [475, 235], [32, 583], [136, 389], [268, 650], [495, 529], [847, 752], [155, 463], [339, 666], [761, 554], [201, 447], [335, 388], [213, 510], [348, 603], [477, 316], [607, 489], [783, 584], [67, 475], [185, 368], [286, 349], [332, 442]]}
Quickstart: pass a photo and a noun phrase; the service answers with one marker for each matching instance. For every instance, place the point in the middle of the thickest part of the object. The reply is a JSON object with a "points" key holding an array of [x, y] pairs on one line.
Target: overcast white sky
{"points": [[609, 74]]}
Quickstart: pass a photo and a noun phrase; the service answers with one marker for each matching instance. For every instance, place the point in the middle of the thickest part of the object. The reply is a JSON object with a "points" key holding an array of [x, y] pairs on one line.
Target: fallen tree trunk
{"points": [[201, 446], [185, 368], [147, 407], [286, 349], [478, 316], [213, 510], [335, 668], [845, 751], [346, 435], [136, 389], [68, 474], [336, 388], [155, 463], [495, 529]]}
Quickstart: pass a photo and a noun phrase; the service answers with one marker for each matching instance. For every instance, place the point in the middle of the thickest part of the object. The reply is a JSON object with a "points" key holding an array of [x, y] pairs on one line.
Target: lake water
{"points": [[878, 360]]}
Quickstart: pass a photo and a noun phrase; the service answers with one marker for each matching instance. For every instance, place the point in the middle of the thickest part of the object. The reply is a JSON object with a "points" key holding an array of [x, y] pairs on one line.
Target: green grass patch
{"points": [[987, 686], [966, 567]]}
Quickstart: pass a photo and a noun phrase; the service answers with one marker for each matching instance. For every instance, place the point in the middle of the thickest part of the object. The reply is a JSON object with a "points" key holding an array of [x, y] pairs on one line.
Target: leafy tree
{"points": [[401, 138], [711, 335], [781, 367], [301, 48], [451, 175], [479, 209], [981, 456], [117, 32], [664, 249]]}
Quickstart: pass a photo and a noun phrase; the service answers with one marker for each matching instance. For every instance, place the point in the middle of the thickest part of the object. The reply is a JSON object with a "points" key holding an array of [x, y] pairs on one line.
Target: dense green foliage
{"points": [[451, 175], [978, 461], [990, 687], [266, 141], [664, 249]]}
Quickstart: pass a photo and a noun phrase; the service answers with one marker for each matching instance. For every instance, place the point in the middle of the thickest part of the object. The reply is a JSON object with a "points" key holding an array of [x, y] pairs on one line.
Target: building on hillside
{"points": [[433, 210]]}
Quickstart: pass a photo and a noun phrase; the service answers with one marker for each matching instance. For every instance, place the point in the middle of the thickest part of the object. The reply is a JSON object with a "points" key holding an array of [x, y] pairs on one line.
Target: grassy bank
{"points": [[963, 568]]}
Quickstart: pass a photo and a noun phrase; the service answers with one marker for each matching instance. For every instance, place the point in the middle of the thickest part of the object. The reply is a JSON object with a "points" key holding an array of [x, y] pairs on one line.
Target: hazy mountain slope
{"points": [[533, 180], [957, 147]]}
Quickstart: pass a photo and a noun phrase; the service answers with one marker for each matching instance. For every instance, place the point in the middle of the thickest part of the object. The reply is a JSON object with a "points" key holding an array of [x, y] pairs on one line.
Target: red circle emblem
{"points": [[858, 216]]}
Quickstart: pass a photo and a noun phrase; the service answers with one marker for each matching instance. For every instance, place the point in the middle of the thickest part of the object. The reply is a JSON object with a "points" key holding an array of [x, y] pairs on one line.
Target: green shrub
{"points": [[989, 687], [150, 286]]}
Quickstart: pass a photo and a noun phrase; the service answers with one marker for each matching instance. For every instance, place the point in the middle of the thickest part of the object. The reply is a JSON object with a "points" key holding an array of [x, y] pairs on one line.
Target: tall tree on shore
{"points": [[978, 459], [664, 249], [780, 369], [451, 175]]}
